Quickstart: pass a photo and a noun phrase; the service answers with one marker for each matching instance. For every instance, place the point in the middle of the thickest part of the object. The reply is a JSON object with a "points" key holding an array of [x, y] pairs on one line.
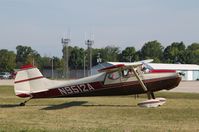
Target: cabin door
{"points": [[128, 76], [113, 78]]}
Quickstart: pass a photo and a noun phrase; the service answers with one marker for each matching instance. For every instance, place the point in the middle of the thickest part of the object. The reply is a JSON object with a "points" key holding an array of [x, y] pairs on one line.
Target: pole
{"points": [[130, 58], [90, 60], [89, 43], [33, 62], [84, 65], [65, 43], [67, 61], [52, 69]]}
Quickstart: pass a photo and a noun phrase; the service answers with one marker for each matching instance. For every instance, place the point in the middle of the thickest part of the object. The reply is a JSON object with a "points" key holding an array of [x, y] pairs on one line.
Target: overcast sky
{"points": [[42, 23]]}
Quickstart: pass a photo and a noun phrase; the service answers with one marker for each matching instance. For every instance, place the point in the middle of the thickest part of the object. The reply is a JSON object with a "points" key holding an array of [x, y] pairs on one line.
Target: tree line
{"points": [[177, 52]]}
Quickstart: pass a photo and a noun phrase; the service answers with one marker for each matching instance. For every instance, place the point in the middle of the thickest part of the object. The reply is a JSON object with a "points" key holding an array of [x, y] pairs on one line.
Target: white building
{"points": [[190, 71]]}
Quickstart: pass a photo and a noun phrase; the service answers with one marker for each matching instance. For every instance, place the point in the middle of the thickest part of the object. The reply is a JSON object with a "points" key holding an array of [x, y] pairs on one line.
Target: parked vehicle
{"points": [[5, 75]]}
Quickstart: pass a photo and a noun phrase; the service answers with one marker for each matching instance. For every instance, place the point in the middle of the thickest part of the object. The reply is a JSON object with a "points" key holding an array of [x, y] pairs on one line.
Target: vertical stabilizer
{"points": [[28, 80]]}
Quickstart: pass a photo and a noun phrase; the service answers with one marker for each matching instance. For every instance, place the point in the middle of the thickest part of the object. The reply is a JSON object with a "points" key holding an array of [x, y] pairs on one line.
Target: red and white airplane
{"points": [[119, 79]]}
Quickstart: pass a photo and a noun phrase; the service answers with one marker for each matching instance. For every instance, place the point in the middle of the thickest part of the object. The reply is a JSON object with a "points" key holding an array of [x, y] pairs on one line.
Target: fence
{"points": [[73, 74]]}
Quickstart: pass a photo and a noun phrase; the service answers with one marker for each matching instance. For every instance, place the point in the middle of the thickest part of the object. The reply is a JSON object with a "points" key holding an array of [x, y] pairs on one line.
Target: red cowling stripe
{"points": [[29, 79], [161, 71]]}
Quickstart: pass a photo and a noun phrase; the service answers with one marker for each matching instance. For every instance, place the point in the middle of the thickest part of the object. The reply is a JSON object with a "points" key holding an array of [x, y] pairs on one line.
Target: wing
{"points": [[124, 65]]}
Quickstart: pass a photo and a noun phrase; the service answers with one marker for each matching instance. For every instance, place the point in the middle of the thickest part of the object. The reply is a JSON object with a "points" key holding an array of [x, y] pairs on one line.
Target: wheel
{"points": [[22, 104]]}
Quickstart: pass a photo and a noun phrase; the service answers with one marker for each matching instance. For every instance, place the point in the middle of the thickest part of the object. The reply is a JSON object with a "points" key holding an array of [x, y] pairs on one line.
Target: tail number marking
{"points": [[76, 89]]}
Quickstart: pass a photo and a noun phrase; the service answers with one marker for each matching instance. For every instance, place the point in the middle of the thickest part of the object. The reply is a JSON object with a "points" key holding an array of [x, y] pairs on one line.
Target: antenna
{"points": [[92, 36], [69, 33]]}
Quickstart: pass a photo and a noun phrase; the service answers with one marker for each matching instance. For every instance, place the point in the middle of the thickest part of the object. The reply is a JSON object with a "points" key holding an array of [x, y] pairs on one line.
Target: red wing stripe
{"points": [[29, 79], [111, 67]]}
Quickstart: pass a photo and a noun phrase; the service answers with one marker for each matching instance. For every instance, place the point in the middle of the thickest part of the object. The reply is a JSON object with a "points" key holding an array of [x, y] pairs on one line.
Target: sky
{"points": [[42, 23]]}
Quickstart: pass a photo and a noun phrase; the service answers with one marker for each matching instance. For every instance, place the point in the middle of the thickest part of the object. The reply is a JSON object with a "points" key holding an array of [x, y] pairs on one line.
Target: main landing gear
{"points": [[152, 101], [24, 103]]}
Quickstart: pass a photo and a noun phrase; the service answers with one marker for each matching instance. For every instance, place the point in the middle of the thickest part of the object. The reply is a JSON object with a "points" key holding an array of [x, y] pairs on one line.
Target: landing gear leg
{"points": [[148, 94], [151, 102], [24, 103], [152, 95]]}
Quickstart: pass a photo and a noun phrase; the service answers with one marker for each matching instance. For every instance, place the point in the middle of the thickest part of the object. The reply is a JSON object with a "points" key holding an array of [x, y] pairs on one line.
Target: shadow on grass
{"points": [[9, 105], [83, 104], [65, 105], [106, 105]]}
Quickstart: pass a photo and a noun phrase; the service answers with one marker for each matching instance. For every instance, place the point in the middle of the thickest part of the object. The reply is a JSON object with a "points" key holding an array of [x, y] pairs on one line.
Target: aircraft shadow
{"points": [[103, 105], [9, 105], [65, 105], [83, 104]]}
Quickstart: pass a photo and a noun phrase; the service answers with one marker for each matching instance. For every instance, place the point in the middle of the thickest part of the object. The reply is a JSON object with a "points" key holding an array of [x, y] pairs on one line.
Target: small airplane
{"points": [[119, 79]]}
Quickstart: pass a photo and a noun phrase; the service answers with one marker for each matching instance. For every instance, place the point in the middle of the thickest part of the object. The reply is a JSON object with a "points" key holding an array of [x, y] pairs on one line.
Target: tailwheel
{"points": [[24, 103]]}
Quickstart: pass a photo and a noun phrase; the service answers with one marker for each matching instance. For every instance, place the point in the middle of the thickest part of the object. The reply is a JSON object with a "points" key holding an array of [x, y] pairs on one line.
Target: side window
{"points": [[127, 73], [114, 75]]}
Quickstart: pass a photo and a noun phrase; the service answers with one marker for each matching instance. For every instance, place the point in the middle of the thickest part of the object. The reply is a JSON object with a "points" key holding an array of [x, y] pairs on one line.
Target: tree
{"points": [[46, 62], [7, 60], [76, 58], [192, 54], [128, 55], [152, 50], [56, 62], [96, 54], [110, 53], [26, 55], [138, 55], [175, 53]]}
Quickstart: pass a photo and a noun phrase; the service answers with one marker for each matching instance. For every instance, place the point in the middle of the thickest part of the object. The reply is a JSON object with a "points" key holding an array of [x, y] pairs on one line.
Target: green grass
{"points": [[98, 114]]}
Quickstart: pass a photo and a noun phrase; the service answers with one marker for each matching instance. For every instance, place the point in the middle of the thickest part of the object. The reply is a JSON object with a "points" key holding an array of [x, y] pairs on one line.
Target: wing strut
{"points": [[142, 84]]}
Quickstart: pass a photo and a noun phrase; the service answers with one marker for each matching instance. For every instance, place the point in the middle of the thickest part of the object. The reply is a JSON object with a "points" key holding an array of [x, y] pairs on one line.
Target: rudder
{"points": [[26, 80]]}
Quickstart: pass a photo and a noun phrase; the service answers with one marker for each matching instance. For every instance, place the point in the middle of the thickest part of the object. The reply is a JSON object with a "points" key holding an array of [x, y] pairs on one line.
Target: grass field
{"points": [[121, 113]]}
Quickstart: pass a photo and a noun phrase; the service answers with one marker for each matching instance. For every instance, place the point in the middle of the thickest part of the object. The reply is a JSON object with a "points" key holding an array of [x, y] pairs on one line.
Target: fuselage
{"points": [[105, 84]]}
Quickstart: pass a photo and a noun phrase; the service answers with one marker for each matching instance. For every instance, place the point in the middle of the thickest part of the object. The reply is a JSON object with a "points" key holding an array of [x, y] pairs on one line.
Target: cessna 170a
{"points": [[119, 79]]}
